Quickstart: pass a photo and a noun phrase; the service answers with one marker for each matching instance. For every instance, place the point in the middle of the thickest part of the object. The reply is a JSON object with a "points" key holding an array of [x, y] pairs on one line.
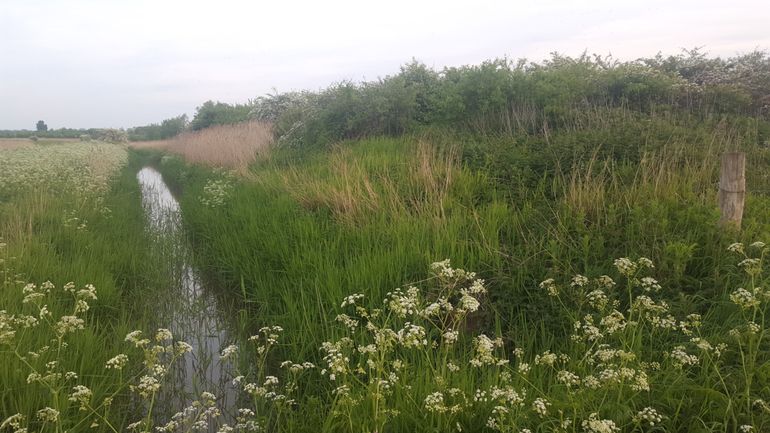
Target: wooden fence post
{"points": [[732, 188]]}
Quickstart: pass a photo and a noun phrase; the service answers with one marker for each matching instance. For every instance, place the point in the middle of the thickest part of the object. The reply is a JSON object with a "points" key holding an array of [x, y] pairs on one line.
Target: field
{"points": [[542, 268]]}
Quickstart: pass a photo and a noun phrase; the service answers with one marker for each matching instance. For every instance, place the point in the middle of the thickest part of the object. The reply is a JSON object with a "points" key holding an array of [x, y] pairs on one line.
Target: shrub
{"points": [[114, 136]]}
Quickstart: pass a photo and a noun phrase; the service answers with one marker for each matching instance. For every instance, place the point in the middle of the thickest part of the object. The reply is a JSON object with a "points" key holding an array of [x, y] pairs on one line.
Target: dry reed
{"points": [[353, 191], [232, 146]]}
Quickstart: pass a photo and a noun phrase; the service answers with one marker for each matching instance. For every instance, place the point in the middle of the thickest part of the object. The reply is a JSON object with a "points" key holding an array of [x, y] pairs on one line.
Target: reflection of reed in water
{"points": [[192, 313]]}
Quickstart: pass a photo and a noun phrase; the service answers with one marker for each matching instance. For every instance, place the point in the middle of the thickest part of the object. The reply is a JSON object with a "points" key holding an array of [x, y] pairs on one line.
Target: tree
{"points": [[41, 126], [219, 113]]}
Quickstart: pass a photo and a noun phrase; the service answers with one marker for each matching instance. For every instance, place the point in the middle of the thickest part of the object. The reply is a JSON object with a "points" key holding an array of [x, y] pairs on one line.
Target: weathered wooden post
{"points": [[732, 188]]}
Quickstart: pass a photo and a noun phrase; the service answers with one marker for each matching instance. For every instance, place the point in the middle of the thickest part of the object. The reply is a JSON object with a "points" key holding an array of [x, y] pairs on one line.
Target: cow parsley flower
{"points": [[648, 415], [117, 362], [595, 425]]}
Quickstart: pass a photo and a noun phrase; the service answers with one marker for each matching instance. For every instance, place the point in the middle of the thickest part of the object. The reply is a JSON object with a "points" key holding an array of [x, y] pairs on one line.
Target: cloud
{"points": [[84, 63]]}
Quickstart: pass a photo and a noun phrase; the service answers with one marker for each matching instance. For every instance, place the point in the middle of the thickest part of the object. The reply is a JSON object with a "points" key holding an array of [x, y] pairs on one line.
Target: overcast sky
{"points": [[103, 63]]}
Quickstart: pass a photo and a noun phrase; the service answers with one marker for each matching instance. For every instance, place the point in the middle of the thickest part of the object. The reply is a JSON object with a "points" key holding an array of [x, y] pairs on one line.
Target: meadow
{"points": [[491, 248]]}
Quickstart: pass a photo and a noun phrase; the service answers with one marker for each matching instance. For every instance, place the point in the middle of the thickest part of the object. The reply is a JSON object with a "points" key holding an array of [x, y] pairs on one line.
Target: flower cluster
{"points": [[216, 192]]}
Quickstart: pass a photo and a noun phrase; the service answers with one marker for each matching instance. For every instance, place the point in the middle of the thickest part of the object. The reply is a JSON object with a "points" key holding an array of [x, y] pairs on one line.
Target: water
{"points": [[188, 308]]}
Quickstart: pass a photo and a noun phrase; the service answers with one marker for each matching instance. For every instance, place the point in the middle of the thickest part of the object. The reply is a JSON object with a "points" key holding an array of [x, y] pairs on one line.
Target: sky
{"points": [[109, 63]]}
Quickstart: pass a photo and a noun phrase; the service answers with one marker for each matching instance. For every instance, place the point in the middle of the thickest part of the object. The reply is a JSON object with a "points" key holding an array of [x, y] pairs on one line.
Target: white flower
{"points": [[48, 414], [435, 402], [412, 336], [547, 358], [13, 421], [147, 386], [550, 287], [117, 362], [578, 281], [467, 302], [540, 406], [228, 352], [348, 321], [595, 425], [81, 395], [743, 298], [163, 334], [625, 266], [352, 299], [568, 378], [644, 262], [69, 324], [751, 266], [606, 282], [681, 358], [485, 348], [181, 347], [650, 284], [451, 336], [597, 299], [648, 415]]}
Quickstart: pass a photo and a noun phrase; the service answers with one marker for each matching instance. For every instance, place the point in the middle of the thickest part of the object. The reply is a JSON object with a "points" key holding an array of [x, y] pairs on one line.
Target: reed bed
{"points": [[230, 146]]}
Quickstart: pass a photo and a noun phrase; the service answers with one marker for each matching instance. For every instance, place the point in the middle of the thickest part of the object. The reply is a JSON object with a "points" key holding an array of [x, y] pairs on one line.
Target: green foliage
{"points": [[219, 113], [41, 126], [166, 129], [51, 133], [504, 97], [312, 228], [65, 223]]}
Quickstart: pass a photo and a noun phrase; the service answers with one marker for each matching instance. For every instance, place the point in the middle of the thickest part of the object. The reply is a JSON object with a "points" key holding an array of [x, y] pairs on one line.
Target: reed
{"points": [[231, 146]]}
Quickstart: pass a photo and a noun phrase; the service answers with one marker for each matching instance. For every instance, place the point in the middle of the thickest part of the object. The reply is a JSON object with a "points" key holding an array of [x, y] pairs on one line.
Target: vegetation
{"points": [[233, 146], [70, 220], [218, 113], [510, 98], [166, 129], [581, 192], [58, 134]]}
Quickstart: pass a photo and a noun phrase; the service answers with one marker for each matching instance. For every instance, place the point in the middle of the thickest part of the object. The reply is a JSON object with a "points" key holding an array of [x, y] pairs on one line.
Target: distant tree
{"points": [[114, 135], [173, 126], [219, 113], [41, 126], [166, 129]]}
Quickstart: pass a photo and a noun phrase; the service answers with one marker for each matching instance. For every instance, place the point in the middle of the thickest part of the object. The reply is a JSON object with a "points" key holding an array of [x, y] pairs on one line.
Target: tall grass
{"points": [[72, 213], [303, 231], [232, 146]]}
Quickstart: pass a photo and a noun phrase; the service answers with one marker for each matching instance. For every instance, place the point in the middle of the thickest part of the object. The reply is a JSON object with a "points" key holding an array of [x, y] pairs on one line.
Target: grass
{"points": [[74, 215], [234, 146], [605, 295], [300, 232]]}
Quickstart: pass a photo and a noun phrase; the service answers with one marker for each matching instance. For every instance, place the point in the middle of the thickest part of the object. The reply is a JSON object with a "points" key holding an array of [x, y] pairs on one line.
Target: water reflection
{"points": [[187, 308]]}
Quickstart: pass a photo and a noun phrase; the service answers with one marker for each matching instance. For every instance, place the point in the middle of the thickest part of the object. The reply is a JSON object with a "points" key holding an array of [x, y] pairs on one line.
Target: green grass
{"points": [[110, 251], [303, 231]]}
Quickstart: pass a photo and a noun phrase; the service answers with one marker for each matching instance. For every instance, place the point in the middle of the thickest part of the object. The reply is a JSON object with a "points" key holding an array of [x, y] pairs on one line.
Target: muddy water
{"points": [[189, 308]]}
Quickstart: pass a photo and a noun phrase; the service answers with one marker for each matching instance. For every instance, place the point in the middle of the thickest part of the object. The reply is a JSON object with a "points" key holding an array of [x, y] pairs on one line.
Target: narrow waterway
{"points": [[188, 308]]}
